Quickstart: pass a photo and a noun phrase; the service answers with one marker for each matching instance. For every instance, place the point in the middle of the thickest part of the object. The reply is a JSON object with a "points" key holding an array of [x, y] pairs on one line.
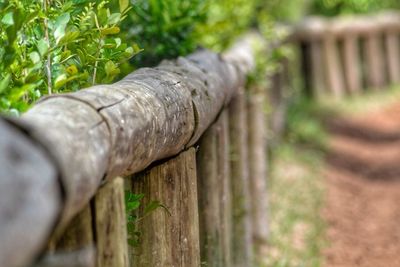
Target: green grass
{"points": [[296, 190], [296, 197]]}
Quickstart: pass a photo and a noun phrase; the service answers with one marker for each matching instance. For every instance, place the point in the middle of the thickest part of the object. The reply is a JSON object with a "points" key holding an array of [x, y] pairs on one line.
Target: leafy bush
{"points": [[337, 7], [57, 45], [164, 28]]}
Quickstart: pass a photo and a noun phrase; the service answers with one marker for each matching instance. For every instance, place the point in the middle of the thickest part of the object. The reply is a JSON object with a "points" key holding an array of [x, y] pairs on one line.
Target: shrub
{"points": [[57, 45]]}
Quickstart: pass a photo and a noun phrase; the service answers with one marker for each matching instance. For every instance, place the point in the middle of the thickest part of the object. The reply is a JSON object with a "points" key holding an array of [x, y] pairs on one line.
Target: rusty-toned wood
{"points": [[242, 250], [214, 194], [30, 197], [257, 149], [169, 237], [85, 257], [110, 223]]}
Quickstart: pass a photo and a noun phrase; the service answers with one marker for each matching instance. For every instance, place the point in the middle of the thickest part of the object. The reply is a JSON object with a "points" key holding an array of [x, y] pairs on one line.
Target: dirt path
{"points": [[363, 190]]}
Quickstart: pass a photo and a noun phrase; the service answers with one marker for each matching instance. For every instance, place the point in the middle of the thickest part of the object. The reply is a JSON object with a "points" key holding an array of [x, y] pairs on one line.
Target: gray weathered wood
{"points": [[79, 232], [392, 44], [242, 249], [352, 64], [257, 149], [105, 131], [78, 139], [110, 223], [332, 63], [85, 257], [374, 61], [215, 194], [169, 237], [30, 197]]}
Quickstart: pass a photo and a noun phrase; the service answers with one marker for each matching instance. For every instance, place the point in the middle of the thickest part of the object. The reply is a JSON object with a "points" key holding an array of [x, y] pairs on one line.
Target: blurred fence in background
{"points": [[346, 55]]}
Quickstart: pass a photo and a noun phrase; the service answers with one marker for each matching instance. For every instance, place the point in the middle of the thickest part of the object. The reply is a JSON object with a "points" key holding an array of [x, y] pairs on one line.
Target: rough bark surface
{"points": [[214, 187], [257, 147], [119, 129], [23, 188], [241, 216], [169, 236], [110, 224]]}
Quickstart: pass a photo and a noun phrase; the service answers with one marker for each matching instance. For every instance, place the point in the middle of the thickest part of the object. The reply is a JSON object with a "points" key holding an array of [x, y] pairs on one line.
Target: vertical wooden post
{"points": [[111, 230], [79, 232], [333, 66], [258, 168], [393, 56], [224, 179], [352, 65], [318, 81], [374, 61], [169, 237], [214, 194], [242, 249]]}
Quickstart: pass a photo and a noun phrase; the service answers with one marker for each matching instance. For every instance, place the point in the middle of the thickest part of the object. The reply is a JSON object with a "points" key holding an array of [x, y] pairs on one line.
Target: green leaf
{"points": [[114, 18], [111, 69], [123, 5], [35, 57], [42, 47], [109, 31], [5, 82], [60, 25], [153, 205], [8, 19], [60, 81]]}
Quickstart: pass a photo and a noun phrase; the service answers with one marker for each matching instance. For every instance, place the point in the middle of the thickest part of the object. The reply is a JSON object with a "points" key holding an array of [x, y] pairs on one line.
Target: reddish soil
{"points": [[363, 190]]}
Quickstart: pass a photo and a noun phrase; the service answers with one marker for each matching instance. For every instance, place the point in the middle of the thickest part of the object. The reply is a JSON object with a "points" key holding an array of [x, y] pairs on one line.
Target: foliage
{"points": [[226, 19], [56, 46], [337, 7], [132, 204], [164, 28]]}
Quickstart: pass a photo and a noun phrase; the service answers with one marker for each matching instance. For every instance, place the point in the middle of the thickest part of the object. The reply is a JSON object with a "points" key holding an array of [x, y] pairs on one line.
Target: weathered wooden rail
{"points": [[342, 56], [185, 133]]}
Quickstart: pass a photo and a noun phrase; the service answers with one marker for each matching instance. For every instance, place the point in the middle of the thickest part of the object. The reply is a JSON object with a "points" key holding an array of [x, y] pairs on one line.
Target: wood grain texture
{"points": [[78, 234], [110, 223], [257, 149], [169, 238], [98, 133], [214, 187], [30, 197], [242, 248]]}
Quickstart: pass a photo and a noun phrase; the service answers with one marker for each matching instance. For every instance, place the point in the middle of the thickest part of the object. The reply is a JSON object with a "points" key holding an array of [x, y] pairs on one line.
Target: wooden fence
{"points": [[342, 56], [185, 133]]}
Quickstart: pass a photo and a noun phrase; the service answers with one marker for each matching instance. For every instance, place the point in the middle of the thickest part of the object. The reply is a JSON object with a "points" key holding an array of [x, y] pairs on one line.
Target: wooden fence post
{"points": [[214, 194], [78, 234], [258, 168], [393, 55], [318, 79], [351, 57], [242, 249], [374, 60], [169, 237], [333, 65], [110, 223]]}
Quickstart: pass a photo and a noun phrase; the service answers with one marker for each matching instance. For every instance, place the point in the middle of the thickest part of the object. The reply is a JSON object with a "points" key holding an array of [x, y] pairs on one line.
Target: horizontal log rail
{"points": [[55, 157]]}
